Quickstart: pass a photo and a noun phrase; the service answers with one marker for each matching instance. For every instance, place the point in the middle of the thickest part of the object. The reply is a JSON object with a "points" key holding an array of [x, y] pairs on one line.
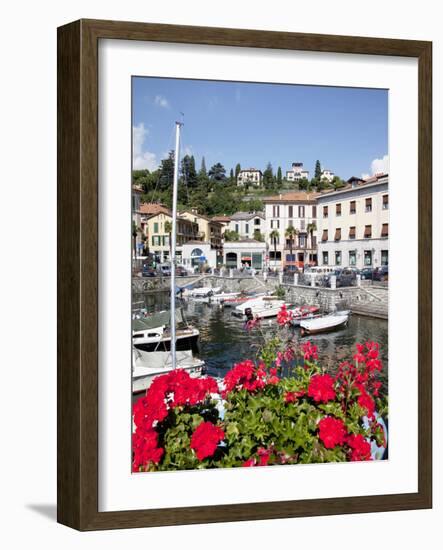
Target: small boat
{"points": [[223, 296], [147, 365], [302, 313], [240, 299], [323, 323]]}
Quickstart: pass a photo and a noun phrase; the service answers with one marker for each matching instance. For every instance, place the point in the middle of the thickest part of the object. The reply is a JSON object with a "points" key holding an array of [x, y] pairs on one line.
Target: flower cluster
{"points": [[246, 375], [321, 388], [173, 389], [312, 416], [284, 316], [205, 439]]}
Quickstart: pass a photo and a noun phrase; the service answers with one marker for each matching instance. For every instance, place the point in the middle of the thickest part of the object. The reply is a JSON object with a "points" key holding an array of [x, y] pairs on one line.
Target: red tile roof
{"points": [[152, 208]]}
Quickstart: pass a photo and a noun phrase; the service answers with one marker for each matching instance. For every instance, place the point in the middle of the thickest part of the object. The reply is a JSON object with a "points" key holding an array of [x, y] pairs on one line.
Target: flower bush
{"points": [[257, 417]]}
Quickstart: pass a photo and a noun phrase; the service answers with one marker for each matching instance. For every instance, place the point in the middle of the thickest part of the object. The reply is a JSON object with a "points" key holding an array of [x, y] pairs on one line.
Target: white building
{"points": [[353, 224], [327, 175], [244, 253], [196, 254], [250, 176], [297, 210], [247, 224], [297, 173]]}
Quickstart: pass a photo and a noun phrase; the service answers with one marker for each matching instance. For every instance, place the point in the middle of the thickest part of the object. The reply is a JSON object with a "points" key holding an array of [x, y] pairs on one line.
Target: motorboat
{"points": [[261, 308], [152, 333], [222, 296], [325, 323], [201, 292], [147, 365]]}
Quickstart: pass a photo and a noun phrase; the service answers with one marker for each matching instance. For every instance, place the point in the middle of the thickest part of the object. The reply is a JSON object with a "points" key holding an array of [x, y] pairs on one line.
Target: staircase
{"points": [[376, 303]]}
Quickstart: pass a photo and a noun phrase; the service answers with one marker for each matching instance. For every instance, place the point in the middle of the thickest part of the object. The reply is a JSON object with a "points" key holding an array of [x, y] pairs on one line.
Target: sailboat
{"points": [[154, 352]]}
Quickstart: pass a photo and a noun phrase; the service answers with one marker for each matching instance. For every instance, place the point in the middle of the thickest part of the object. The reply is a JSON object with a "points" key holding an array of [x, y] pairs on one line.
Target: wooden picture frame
{"points": [[78, 273]]}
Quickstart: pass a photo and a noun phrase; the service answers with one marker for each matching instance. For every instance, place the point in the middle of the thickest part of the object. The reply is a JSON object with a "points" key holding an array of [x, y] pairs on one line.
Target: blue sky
{"points": [[230, 122]]}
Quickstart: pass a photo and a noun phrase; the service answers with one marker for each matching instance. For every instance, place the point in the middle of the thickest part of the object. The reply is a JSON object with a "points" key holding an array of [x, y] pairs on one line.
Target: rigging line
{"points": [[159, 169]]}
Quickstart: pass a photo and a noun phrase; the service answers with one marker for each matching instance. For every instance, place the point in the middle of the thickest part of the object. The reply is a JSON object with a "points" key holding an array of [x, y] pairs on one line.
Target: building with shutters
{"points": [[353, 224]]}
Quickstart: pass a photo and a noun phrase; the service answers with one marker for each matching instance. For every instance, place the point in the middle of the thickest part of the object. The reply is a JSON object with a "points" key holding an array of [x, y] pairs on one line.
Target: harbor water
{"points": [[224, 340]]}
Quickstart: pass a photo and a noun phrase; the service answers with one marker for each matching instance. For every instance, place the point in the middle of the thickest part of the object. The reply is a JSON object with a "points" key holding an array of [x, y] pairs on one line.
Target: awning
{"points": [[337, 235], [324, 237], [368, 231], [385, 230], [352, 232]]}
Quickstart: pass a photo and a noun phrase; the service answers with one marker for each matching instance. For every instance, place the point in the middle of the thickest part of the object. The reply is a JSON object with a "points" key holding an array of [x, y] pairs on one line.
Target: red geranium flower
{"points": [[310, 351], [321, 388], [361, 449], [205, 439], [332, 431], [366, 402]]}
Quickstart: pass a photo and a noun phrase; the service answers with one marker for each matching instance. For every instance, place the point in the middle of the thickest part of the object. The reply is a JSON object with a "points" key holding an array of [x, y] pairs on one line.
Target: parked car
{"points": [[344, 277], [165, 270], [366, 273], [381, 273], [180, 271], [148, 271]]}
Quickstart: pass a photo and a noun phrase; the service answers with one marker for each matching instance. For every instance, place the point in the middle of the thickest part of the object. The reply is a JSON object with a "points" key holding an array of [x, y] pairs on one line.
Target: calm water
{"points": [[224, 341]]}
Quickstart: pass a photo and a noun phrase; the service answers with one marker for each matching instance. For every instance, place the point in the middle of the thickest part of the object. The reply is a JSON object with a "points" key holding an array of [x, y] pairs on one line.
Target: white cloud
{"points": [[161, 101], [378, 166], [142, 160]]}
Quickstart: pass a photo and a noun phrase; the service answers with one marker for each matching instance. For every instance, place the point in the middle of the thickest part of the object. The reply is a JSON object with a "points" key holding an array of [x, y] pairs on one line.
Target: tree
{"points": [[167, 171], [337, 183], [274, 236], [168, 230], [237, 171], [189, 172], [317, 173], [230, 235], [304, 184], [203, 171], [217, 172], [290, 233], [279, 177], [231, 177], [268, 177], [258, 235]]}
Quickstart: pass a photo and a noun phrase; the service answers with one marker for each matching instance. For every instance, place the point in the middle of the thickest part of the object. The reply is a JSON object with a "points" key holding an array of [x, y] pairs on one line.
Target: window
{"points": [[275, 224], [257, 221], [352, 232], [368, 257], [325, 258], [352, 207], [325, 211], [246, 228], [156, 227], [236, 228], [338, 209], [290, 211], [385, 230], [368, 231], [337, 235], [384, 257], [290, 257], [313, 241], [385, 205], [275, 257], [302, 225], [352, 258], [301, 211], [337, 257], [314, 211], [302, 241], [324, 237], [368, 205], [275, 211]]}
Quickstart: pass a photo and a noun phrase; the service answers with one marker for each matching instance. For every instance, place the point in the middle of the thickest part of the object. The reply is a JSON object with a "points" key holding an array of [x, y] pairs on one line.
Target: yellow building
{"points": [[153, 220], [209, 230]]}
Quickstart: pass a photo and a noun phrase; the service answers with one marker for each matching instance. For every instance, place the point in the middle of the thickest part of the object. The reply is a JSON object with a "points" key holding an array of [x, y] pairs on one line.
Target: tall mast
{"points": [[178, 126]]}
